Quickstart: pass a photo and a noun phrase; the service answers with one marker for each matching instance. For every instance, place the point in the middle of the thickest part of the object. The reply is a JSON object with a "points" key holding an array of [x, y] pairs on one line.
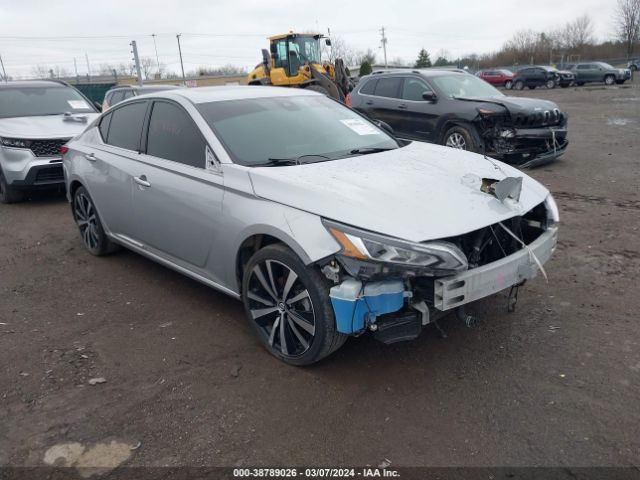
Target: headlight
{"points": [[553, 214], [438, 256], [15, 142]]}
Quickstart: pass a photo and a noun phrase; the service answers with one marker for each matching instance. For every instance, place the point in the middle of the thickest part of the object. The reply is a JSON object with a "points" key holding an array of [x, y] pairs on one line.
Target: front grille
{"points": [[49, 174], [539, 119], [47, 148]]}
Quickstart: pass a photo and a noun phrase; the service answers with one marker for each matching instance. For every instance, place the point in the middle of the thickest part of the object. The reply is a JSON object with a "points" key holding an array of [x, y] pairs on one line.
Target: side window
{"points": [[127, 94], [104, 126], [116, 97], [126, 126], [174, 136], [583, 67], [413, 89], [369, 87], [388, 87]]}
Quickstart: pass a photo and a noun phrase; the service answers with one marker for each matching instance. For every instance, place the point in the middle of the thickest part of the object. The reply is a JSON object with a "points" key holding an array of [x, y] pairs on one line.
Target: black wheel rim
{"points": [[280, 305], [87, 221]]}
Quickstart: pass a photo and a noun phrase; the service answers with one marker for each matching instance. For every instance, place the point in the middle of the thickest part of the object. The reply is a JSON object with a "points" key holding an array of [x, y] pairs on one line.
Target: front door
{"points": [[177, 200]]}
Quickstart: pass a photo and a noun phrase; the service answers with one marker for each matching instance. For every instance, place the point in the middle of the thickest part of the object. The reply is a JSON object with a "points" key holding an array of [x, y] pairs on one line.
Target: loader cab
{"points": [[292, 51]]}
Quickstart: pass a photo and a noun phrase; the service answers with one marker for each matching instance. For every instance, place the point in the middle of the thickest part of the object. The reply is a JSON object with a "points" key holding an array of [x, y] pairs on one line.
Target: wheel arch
{"points": [[449, 123]]}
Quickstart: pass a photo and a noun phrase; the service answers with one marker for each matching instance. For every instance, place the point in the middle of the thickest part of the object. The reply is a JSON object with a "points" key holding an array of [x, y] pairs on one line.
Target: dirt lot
{"points": [[557, 383]]}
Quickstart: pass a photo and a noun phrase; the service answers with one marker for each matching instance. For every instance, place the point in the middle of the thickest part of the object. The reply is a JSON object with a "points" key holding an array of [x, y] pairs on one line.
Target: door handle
{"points": [[142, 180], [91, 157], [403, 106], [368, 102]]}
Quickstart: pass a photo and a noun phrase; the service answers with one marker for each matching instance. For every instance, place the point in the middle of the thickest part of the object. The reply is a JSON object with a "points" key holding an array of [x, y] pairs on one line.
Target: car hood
{"points": [[418, 192], [516, 105], [48, 126]]}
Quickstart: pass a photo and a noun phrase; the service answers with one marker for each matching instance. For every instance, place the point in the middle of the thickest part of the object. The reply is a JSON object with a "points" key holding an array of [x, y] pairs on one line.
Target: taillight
{"points": [[63, 149], [347, 101]]}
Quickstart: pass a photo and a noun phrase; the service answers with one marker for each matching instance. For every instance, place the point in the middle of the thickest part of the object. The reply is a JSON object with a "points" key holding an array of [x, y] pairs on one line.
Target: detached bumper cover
{"points": [[531, 147], [466, 287]]}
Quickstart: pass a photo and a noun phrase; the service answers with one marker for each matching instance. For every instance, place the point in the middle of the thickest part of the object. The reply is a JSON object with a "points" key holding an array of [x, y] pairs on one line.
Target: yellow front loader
{"points": [[294, 61]]}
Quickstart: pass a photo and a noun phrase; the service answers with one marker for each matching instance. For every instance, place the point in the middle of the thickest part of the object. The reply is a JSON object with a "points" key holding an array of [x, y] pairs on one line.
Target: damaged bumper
{"points": [[531, 147], [480, 282]]}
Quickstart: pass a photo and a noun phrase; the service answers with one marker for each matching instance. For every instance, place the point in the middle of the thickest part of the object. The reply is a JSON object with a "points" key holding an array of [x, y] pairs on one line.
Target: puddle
{"points": [[619, 122], [97, 460]]}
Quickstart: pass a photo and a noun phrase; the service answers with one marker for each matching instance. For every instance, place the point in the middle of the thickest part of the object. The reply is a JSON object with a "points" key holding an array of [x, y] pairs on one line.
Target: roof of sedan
{"points": [[32, 84], [236, 92]]}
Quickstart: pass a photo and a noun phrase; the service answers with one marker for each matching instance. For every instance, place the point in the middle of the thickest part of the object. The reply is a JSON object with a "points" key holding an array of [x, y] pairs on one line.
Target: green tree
{"points": [[365, 68], [441, 62], [423, 59]]}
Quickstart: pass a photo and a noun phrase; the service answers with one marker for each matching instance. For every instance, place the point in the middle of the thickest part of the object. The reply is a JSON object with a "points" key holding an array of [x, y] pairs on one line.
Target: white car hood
{"points": [[419, 192], [50, 126]]}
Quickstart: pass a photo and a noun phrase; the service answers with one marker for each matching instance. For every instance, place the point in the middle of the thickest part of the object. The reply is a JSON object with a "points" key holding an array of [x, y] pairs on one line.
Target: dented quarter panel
{"points": [[417, 193]]}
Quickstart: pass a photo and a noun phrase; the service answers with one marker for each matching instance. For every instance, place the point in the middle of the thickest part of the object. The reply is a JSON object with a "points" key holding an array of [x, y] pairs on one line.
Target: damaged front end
{"points": [[523, 139], [394, 288]]}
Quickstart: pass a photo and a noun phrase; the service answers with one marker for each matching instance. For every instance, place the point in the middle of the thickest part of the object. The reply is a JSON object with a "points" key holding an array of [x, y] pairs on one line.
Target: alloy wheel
{"points": [[87, 221], [280, 305], [609, 80], [456, 140]]}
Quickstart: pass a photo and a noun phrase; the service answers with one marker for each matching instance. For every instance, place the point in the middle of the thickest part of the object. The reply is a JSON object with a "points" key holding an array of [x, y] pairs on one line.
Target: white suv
{"points": [[36, 119]]}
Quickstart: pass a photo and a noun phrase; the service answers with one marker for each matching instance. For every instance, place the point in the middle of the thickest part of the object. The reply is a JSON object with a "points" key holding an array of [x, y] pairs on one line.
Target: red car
{"points": [[498, 78]]}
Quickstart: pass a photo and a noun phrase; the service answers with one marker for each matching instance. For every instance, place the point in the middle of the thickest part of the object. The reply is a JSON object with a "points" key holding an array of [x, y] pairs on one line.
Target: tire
{"points": [[508, 84], [9, 194], [89, 224], [519, 85], [459, 138], [609, 80], [318, 88], [551, 84], [277, 287], [580, 84]]}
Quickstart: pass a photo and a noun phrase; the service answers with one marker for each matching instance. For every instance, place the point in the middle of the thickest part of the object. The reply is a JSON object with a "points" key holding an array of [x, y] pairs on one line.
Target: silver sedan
{"points": [[320, 221]]}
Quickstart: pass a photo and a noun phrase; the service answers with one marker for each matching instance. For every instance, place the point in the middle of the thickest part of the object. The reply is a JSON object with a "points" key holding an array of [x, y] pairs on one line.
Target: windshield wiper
{"points": [[366, 150], [289, 160]]}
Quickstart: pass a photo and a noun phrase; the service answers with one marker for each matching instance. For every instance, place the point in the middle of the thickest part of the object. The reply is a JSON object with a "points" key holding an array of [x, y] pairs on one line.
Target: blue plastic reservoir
{"points": [[354, 305]]}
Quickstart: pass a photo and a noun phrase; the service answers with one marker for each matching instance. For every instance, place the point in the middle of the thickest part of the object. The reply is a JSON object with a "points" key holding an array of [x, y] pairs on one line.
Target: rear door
{"points": [[177, 199], [108, 166], [385, 103]]}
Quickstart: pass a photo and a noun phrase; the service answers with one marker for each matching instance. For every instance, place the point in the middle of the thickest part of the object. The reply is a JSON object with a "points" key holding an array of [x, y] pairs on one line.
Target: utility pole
{"points": [[134, 50], [180, 52], [86, 56], [156, 49], [384, 47], [75, 67], [4, 73]]}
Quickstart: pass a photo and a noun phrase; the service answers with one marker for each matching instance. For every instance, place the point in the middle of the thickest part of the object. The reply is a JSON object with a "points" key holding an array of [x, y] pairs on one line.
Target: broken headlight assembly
{"points": [[429, 258], [553, 213], [15, 142]]}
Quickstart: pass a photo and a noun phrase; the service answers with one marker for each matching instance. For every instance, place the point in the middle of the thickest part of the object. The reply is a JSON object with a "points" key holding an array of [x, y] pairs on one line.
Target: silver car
{"points": [[320, 221], [36, 119]]}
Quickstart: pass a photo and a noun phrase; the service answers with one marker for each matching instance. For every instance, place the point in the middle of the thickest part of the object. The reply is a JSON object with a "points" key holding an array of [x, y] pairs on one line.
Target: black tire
{"points": [[508, 84], [9, 194], [609, 80], [89, 223], [269, 296], [519, 85], [551, 84], [460, 138], [318, 88]]}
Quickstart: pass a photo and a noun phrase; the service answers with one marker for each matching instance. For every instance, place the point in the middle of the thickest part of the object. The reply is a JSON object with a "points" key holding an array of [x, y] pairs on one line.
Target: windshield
{"points": [[462, 85], [607, 66], [36, 101], [258, 129], [307, 48]]}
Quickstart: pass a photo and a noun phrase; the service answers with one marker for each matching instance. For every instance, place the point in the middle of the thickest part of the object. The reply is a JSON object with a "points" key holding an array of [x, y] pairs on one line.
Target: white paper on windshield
{"points": [[360, 127], [77, 104]]}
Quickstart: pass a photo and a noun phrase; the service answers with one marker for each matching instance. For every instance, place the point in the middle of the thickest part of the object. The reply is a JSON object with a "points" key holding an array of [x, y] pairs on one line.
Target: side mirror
{"points": [[327, 42], [429, 96], [385, 126]]}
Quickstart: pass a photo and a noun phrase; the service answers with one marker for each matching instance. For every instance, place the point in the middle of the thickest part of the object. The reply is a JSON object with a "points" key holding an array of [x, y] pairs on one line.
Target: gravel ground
{"points": [[557, 383]]}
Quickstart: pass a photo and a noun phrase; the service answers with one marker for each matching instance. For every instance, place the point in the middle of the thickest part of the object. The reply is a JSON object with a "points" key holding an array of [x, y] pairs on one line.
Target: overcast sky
{"points": [[221, 32]]}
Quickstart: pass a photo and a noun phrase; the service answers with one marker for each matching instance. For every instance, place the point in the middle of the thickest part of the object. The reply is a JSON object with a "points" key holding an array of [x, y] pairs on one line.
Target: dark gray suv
{"points": [[600, 72]]}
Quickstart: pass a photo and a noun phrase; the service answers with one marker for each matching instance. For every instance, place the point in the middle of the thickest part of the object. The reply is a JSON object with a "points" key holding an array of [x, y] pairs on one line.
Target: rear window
{"points": [[369, 87], [104, 126], [126, 126], [388, 87], [36, 101]]}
